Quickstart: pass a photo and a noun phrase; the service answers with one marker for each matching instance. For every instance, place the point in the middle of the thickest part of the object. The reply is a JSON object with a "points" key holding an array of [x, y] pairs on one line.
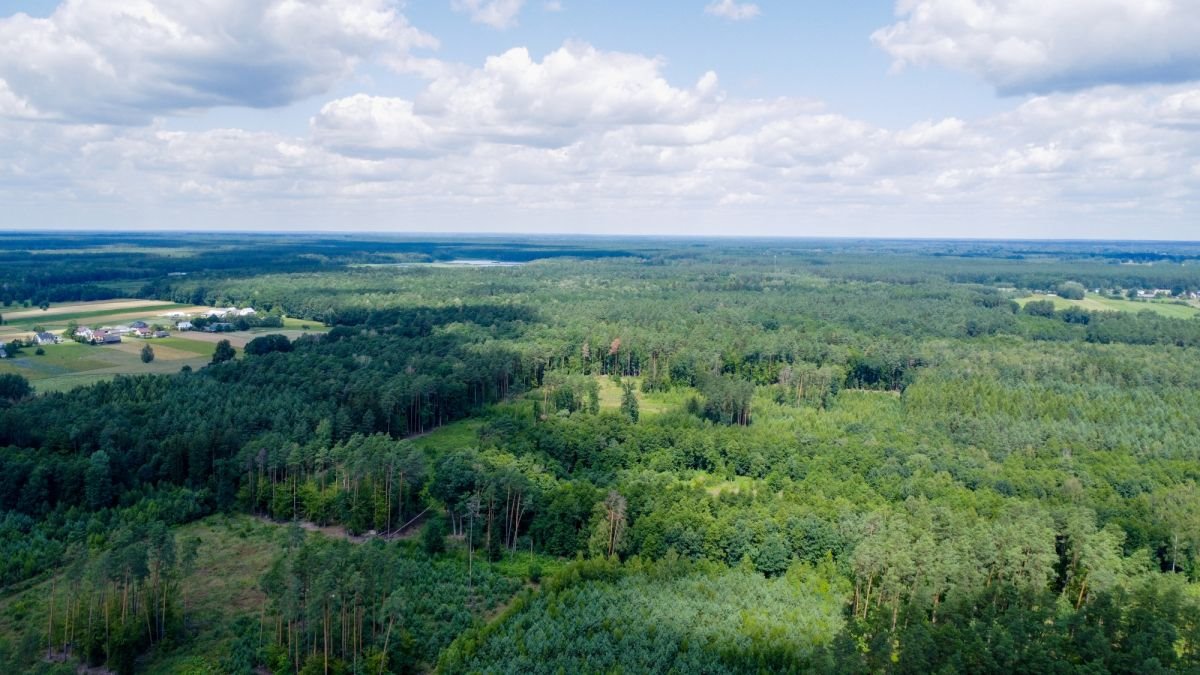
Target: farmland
{"points": [[1101, 303]]}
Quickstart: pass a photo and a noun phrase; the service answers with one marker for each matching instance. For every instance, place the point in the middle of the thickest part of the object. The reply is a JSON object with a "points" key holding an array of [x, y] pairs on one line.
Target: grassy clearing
{"points": [[234, 553], [1102, 303], [453, 436], [652, 404]]}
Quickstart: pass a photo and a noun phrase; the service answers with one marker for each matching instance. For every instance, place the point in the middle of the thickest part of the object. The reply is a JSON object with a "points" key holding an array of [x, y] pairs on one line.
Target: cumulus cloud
{"points": [[499, 14], [1022, 46], [584, 138], [734, 11], [573, 91], [125, 62]]}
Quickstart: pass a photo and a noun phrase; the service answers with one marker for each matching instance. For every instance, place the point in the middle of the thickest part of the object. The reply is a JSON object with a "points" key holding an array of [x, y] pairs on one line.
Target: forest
{"points": [[615, 455]]}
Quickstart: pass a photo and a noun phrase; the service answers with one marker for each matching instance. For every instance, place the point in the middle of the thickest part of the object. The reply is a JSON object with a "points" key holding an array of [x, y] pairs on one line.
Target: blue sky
{"points": [[944, 118]]}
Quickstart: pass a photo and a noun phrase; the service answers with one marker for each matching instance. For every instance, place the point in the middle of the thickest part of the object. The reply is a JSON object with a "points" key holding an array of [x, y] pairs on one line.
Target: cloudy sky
{"points": [[961, 118]]}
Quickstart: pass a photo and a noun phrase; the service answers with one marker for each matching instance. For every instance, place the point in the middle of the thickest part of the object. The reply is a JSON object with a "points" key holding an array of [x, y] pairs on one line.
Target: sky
{"points": [[873, 118]]}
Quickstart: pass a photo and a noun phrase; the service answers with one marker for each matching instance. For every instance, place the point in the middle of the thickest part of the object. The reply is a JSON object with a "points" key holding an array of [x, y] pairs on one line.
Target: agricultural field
{"points": [[1103, 303], [71, 364]]}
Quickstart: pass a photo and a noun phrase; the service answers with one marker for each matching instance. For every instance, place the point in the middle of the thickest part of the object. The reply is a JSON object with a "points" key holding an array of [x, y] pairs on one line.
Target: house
{"points": [[184, 325], [248, 311], [143, 332], [139, 324], [46, 339], [161, 334], [84, 333], [105, 337]]}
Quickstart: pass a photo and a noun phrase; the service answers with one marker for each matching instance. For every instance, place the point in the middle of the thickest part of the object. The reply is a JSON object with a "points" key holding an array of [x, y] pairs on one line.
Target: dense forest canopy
{"points": [[624, 454]]}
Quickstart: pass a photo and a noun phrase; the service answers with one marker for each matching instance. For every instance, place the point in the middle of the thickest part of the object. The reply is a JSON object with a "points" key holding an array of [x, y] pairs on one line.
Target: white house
{"points": [[183, 325], [248, 311], [46, 339]]}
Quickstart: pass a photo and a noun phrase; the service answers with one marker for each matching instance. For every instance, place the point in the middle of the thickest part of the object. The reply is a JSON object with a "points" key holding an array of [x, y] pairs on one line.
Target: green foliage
{"points": [[147, 354], [403, 607], [266, 344], [13, 388], [223, 352], [1071, 290], [877, 424], [665, 617]]}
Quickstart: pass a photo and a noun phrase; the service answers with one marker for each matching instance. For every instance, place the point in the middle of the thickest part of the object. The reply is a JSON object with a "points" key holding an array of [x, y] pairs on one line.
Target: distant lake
{"points": [[446, 263], [480, 263]]}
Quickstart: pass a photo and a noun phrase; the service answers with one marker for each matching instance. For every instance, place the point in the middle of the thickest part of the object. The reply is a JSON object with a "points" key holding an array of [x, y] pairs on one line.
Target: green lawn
{"points": [[1104, 303]]}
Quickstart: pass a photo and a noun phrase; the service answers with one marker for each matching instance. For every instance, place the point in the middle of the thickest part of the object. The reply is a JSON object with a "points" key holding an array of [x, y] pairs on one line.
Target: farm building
{"points": [[46, 339], [184, 325]]}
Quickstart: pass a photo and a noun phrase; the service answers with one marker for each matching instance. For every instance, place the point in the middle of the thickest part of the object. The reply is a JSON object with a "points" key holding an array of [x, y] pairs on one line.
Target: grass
{"points": [[453, 436], [1104, 303], [71, 364], [197, 347], [234, 553], [651, 404]]}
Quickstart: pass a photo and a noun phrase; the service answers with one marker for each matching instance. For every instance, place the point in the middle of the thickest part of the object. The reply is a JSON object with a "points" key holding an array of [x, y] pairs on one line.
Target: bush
{"points": [[1071, 290]]}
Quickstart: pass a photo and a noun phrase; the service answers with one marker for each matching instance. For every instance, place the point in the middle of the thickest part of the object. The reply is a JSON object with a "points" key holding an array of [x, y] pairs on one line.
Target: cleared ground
{"points": [[71, 364], [1102, 303], [99, 305]]}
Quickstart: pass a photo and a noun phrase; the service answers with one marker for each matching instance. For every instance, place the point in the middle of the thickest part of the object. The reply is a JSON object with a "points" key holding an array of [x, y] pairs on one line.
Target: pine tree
{"points": [[629, 402]]}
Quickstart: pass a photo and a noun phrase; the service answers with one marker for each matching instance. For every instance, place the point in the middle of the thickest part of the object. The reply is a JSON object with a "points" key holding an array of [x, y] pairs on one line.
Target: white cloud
{"points": [[573, 91], [1023, 46], [552, 6], [734, 11], [583, 138], [125, 62], [499, 14]]}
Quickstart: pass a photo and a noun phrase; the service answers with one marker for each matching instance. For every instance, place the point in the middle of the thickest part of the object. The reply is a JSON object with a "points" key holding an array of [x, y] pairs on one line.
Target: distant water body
{"points": [[480, 263]]}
